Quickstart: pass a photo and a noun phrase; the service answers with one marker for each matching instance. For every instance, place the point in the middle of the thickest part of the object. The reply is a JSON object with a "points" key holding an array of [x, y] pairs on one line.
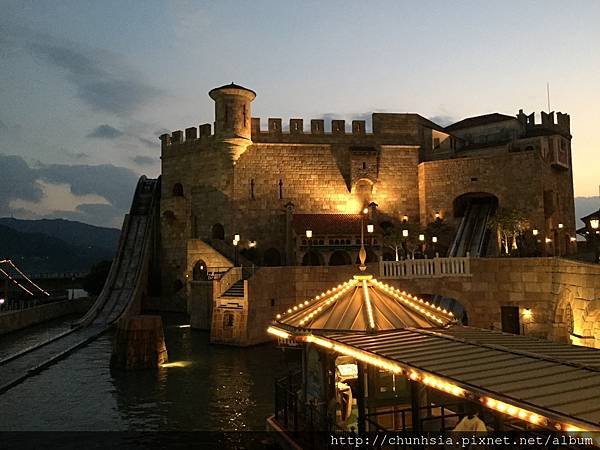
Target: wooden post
{"points": [[139, 343], [360, 401], [415, 403]]}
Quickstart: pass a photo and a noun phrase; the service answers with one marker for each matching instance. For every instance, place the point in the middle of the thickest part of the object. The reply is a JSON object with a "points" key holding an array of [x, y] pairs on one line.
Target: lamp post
{"points": [[235, 251], [594, 225], [308, 238], [362, 253]]}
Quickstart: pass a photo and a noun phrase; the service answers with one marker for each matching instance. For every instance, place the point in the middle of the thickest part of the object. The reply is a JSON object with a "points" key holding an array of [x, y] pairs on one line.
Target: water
{"points": [[210, 388], [20, 340]]}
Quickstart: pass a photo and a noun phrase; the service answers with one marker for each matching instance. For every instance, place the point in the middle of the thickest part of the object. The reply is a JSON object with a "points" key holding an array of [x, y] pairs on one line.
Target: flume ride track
{"points": [[121, 293]]}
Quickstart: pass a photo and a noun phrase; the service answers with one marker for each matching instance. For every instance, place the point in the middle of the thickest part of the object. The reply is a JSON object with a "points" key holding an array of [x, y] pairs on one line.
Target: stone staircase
{"points": [[236, 290]]}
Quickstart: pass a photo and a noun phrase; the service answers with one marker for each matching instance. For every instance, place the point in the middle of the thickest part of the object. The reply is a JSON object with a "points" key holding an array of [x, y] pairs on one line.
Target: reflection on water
{"points": [[208, 388], [20, 340]]}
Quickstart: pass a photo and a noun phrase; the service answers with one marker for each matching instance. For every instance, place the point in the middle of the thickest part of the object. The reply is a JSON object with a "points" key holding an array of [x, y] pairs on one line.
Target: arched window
{"points": [[200, 272], [178, 190], [340, 258], [272, 257], [228, 320], [218, 232], [313, 258]]}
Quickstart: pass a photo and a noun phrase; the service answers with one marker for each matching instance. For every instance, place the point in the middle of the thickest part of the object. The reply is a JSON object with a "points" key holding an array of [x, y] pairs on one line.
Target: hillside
{"points": [[58, 245]]}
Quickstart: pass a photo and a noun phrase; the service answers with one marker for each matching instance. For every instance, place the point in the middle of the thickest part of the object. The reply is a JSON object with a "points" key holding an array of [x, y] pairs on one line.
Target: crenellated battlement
{"points": [[317, 127], [560, 122], [191, 134]]}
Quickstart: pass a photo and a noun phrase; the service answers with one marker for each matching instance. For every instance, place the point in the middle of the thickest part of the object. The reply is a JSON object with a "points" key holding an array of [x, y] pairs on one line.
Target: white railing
{"points": [[424, 268]]}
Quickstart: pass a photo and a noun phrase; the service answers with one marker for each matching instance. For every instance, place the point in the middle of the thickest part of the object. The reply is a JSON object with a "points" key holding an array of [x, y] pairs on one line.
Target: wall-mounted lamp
{"points": [[535, 232], [370, 228], [548, 240], [252, 244], [560, 226], [437, 215], [421, 237], [405, 218], [365, 211], [308, 234], [595, 223], [434, 239], [573, 239], [404, 233], [527, 313]]}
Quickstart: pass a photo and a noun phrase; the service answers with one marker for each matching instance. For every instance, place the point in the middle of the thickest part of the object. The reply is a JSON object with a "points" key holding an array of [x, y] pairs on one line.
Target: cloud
{"points": [[18, 181], [101, 79], [152, 143], [111, 182], [105, 132], [104, 192], [144, 160]]}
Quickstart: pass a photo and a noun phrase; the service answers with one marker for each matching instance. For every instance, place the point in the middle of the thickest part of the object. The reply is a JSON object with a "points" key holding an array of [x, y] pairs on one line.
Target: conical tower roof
{"points": [[363, 304]]}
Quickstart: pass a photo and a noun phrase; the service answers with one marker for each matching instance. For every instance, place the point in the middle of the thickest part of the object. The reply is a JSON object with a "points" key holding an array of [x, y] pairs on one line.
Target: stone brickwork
{"points": [[548, 287], [238, 178]]}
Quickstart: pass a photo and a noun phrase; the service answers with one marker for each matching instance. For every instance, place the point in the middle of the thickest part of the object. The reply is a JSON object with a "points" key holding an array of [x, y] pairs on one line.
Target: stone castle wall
{"points": [[242, 177], [554, 289]]}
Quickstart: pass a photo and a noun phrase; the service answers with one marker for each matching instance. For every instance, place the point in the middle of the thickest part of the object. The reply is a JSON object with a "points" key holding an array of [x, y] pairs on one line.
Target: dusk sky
{"points": [[86, 87]]}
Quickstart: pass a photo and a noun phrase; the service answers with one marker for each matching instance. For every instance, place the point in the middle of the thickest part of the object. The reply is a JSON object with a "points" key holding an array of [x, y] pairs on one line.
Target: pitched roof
{"points": [[363, 304], [232, 85], [553, 380], [476, 121]]}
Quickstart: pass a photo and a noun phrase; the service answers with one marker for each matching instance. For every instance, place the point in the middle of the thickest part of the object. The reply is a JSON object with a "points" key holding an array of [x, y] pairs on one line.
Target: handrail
{"points": [[426, 268], [229, 278]]}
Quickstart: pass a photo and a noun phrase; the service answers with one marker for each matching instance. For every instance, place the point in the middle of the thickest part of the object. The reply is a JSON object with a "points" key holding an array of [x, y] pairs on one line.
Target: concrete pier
{"points": [[139, 343]]}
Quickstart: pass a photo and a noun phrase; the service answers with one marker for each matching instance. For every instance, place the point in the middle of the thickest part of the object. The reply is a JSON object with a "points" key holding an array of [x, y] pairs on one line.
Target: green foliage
{"points": [[94, 281]]}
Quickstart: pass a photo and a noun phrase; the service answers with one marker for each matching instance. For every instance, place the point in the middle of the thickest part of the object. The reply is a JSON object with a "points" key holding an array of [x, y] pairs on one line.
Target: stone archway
{"points": [[563, 323], [313, 258], [218, 232], [272, 257], [340, 258], [200, 271]]}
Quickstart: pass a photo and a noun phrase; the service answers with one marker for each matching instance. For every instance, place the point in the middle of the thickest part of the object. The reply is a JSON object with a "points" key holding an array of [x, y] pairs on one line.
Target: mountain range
{"points": [[55, 245]]}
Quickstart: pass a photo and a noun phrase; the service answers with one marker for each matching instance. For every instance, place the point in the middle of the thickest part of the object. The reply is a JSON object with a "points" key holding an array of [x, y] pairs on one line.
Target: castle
{"points": [[236, 191]]}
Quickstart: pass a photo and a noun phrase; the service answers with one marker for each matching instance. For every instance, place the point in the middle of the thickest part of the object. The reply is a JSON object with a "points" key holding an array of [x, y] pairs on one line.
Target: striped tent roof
{"points": [[363, 304]]}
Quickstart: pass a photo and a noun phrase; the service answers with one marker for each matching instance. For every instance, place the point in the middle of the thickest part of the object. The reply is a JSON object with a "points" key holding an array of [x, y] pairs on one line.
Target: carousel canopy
{"points": [[363, 304]]}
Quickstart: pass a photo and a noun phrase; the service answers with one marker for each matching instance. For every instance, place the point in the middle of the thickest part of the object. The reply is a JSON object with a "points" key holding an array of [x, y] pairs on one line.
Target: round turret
{"points": [[232, 111]]}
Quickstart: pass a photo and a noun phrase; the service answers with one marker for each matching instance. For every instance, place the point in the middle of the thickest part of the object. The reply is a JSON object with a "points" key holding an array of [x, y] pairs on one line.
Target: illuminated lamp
{"points": [[535, 231]]}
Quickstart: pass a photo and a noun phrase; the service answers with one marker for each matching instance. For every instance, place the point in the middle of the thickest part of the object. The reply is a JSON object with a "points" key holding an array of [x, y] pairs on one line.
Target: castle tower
{"points": [[232, 118]]}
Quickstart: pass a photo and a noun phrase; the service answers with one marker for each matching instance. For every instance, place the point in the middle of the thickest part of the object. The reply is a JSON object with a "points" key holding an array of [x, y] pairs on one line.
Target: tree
{"points": [[508, 223], [394, 238], [94, 281], [443, 231]]}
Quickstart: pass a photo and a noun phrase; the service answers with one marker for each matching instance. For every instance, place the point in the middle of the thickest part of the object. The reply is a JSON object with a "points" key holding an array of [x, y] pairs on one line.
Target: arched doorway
{"points": [[474, 210], [218, 232], [340, 258], [313, 258], [363, 190], [272, 257], [178, 190], [200, 271]]}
